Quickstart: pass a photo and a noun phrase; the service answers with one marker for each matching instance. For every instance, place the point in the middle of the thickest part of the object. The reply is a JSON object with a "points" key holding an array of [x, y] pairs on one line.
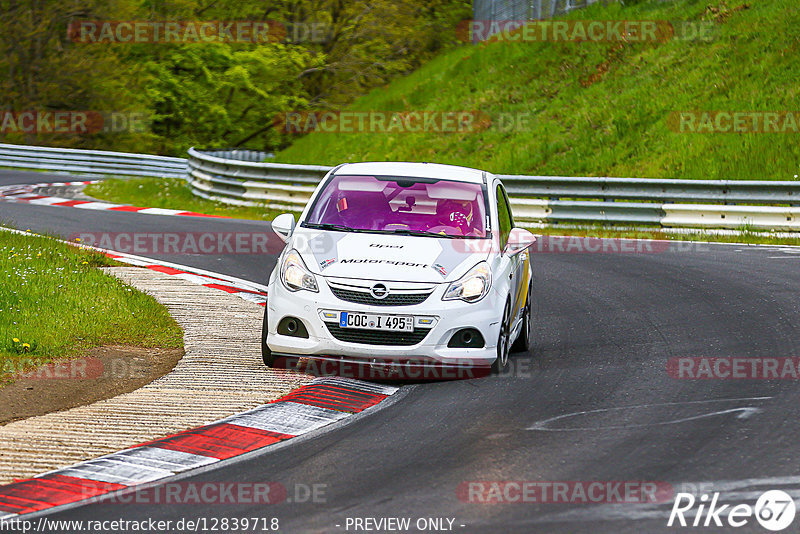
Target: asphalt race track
{"points": [[593, 402]]}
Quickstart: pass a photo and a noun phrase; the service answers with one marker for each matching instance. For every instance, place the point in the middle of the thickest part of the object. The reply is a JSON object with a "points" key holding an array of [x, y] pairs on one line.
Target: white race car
{"points": [[401, 265]]}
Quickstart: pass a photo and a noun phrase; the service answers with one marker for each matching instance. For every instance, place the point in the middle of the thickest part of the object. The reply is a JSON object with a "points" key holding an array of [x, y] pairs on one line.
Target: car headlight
{"points": [[295, 275], [471, 287]]}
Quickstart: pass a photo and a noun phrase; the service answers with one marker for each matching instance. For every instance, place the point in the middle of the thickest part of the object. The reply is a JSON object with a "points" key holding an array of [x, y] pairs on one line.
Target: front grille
{"points": [[393, 299], [377, 337]]}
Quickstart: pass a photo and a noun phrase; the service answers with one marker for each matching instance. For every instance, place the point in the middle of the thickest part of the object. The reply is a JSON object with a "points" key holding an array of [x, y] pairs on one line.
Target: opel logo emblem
{"points": [[379, 291]]}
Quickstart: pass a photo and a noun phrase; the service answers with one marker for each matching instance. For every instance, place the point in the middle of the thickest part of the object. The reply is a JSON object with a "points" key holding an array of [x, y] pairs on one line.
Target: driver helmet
{"points": [[456, 213]]}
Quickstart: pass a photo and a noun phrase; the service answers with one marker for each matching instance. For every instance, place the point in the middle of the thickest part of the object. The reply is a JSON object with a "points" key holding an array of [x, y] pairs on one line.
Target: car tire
{"points": [[503, 341], [277, 362], [266, 353], [523, 342]]}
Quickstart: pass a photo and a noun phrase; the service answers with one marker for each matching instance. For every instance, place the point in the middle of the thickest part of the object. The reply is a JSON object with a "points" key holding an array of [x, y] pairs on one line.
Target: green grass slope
{"points": [[55, 304], [602, 109]]}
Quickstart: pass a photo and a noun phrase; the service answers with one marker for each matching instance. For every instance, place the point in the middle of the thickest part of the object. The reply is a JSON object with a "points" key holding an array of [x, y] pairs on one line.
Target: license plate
{"points": [[401, 323]]}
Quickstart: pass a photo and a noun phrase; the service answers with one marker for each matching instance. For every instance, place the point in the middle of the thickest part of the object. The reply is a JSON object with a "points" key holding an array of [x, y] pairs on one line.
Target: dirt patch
{"points": [[105, 372], [722, 12]]}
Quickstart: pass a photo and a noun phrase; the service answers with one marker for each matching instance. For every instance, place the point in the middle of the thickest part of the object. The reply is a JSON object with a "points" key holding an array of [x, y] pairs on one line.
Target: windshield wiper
{"points": [[422, 233], [330, 226]]}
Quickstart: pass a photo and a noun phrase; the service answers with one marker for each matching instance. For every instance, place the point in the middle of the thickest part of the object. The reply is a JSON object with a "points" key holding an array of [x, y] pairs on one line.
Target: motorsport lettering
{"points": [[389, 262]]}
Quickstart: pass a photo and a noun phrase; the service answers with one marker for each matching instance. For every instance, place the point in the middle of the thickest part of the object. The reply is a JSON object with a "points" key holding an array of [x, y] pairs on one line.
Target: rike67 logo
{"points": [[774, 510]]}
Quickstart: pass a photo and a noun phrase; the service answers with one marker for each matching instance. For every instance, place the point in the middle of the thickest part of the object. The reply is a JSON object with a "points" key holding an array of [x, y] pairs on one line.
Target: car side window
{"points": [[505, 221]]}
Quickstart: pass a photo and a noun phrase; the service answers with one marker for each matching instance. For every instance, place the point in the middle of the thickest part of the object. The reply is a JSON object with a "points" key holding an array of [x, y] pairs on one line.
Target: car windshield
{"points": [[393, 204]]}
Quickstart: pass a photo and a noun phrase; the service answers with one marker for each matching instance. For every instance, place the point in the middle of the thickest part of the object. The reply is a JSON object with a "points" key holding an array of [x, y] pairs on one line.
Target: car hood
{"points": [[397, 258]]}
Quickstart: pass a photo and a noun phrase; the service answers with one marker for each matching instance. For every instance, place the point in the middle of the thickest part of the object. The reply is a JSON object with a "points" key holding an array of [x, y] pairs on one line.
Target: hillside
{"points": [[604, 108]]}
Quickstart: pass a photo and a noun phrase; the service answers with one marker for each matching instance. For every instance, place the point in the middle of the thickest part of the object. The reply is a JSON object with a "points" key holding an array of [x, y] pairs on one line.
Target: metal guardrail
{"points": [[618, 201], [90, 162], [240, 154], [524, 9], [244, 182], [241, 177], [517, 10], [656, 190]]}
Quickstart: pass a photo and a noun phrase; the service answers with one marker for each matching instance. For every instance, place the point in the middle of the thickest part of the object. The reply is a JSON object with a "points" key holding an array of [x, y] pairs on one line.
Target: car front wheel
{"points": [[523, 342], [503, 341], [266, 353]]}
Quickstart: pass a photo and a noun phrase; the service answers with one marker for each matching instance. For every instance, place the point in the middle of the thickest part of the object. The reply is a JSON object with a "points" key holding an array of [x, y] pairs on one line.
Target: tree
{"points": [[217, 94]]}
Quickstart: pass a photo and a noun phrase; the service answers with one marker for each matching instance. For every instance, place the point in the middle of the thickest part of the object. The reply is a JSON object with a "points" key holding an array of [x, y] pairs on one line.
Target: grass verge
{"points": [[601, 108], [55, 304], [171, 193]]}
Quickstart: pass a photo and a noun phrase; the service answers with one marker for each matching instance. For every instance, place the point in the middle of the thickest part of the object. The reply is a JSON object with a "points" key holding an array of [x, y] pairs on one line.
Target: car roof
{"points": [[422, 170]]}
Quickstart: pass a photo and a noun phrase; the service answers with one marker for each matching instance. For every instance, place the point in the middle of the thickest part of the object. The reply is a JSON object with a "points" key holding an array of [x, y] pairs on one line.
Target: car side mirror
{"points": [[283, 225], [519, 239]]}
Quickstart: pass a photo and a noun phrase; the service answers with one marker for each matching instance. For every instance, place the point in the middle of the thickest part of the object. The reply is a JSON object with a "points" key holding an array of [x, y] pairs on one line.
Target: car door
{"points": [[522, 273], [513, 265]]}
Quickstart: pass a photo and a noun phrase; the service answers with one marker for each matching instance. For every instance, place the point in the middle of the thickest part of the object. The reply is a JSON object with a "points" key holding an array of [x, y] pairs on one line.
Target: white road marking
{"points": [[746, 412]]}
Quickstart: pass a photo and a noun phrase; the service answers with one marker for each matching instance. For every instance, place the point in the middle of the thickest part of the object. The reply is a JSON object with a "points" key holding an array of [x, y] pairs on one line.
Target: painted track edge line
{"points": [[21, 194]]}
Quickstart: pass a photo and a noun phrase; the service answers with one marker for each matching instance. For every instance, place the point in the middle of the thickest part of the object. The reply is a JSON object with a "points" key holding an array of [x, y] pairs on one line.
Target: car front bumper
{"points": [[449, 317]]}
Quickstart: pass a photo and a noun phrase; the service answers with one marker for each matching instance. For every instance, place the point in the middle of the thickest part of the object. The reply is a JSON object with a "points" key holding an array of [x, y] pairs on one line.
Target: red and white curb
{"points": [[320, 403], [27, 193], [251, 291]]}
